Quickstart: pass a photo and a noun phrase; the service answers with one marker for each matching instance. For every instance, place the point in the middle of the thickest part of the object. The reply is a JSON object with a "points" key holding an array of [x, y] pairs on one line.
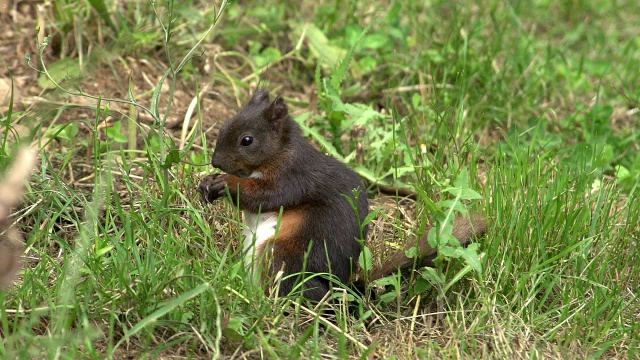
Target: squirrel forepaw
{"points": [[213, 187]]}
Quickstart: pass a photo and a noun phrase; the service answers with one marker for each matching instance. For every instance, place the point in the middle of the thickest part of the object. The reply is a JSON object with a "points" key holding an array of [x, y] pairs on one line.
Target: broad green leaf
{"points": [[352, 34], [186, 317], [64, 131], [388, 280], [463, 194], [462, 181], [416, 100], [67, 68], [388, 297], [114, 132], [365, 259], [412, 252], [622, 172], [234, 329], [367, 64], [328, 55], [447, 251], [375, 41], [268, 56], [470, 256], [455, 205], [421, 285], [432, 237], [433, 276], [172, 157], [445, 232]]}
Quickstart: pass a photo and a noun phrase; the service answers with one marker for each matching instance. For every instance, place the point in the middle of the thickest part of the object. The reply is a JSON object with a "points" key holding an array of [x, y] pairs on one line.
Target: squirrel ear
{"points": [[262, 95], [277, 110]]}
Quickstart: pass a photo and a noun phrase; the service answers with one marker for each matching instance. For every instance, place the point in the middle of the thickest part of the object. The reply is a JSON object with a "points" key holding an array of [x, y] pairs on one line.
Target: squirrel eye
{"points": [[246, 141]]}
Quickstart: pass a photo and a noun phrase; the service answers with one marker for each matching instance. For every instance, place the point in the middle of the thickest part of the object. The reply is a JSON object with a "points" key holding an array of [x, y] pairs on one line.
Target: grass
{"points": [[537, 101]]}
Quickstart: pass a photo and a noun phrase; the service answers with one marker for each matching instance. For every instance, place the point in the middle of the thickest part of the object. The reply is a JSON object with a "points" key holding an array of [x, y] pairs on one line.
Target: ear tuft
{"points": [[260, 96], [277, 111]]}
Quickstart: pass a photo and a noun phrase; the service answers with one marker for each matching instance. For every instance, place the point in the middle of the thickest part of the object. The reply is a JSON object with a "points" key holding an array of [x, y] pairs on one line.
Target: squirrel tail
{"points": [[464, 229]]}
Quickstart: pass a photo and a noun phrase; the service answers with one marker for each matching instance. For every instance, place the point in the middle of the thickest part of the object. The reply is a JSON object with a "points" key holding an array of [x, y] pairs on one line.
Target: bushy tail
{"points": [[11, 190], [464, 229]]}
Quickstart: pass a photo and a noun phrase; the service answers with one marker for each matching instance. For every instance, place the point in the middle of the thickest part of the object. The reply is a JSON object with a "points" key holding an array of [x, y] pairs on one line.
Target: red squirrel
{"points": [[294, 201]]}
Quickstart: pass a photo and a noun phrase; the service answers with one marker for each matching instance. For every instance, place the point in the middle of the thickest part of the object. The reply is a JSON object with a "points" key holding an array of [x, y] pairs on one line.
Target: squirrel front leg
{"points": [[254, 195], [213, 187]]}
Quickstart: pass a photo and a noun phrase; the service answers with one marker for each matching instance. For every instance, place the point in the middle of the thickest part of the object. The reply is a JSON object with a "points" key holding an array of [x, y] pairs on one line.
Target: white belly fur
{"points": [[258, 228]]}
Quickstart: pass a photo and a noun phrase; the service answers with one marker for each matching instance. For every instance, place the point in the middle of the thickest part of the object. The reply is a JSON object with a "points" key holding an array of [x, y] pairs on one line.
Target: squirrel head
{"points": [[253, 138]]}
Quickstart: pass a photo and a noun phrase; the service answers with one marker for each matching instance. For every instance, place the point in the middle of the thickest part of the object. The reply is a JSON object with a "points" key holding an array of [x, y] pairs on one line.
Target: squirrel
{"points": [[297, 202]]}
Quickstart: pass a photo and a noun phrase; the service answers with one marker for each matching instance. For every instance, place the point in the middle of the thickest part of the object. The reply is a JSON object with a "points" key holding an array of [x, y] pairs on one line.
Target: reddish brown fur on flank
{"points": [[464, 229], [287, 241]]}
